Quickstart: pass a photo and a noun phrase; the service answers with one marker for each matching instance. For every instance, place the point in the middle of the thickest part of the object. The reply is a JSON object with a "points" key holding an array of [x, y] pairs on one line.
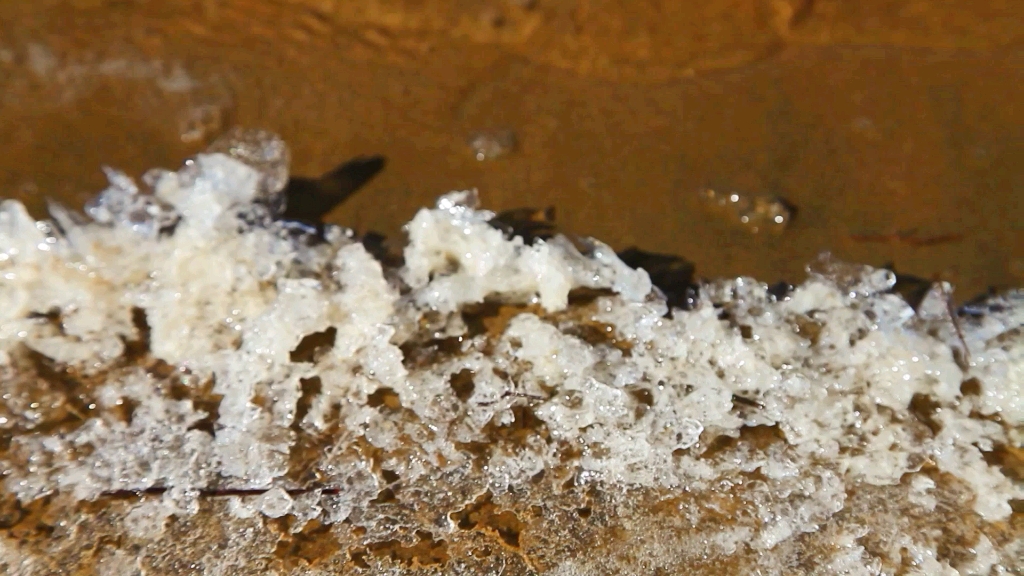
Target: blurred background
{"points": [[744, 135]]}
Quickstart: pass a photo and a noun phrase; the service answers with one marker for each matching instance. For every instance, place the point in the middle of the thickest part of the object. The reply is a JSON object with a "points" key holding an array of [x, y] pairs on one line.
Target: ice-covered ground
{"points": [[180, 343]]}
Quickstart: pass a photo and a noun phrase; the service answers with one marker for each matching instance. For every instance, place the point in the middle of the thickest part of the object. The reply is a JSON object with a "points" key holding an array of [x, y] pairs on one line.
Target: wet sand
{"points": [[892, 127]]}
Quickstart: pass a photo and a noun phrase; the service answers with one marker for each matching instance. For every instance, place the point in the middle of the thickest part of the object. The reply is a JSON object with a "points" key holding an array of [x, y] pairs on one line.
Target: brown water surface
{"points": [[894, 128]]}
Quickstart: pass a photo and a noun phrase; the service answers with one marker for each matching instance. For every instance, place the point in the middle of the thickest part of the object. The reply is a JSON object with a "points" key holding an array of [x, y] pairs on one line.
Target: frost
{"points": [[182, 345], [147, 520], [455, 257], [921, 486]]}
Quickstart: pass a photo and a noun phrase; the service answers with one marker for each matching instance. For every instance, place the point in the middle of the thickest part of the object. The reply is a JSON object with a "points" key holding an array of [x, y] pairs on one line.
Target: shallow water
{"points": [[891, 129]]}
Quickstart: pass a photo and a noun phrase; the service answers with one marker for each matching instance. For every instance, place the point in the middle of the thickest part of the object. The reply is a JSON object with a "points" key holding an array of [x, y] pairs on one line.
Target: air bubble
{"points": [[755, 212]]}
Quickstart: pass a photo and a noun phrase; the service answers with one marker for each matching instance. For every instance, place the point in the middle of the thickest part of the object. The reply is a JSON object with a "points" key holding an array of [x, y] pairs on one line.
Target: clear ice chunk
{"points": [[20, 235], [491, 144], [275, 503], [265, 152], [122, 204], [858, 280]]}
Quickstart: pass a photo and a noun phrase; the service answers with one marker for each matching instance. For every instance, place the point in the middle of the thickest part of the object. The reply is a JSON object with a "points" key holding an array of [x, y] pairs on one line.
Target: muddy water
{"points": [[893, 128]]}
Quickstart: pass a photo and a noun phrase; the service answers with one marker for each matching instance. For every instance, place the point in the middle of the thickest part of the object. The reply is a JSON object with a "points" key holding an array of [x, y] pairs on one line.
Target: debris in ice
{"points": [[491, 144], [238, 396], [755, 212]]}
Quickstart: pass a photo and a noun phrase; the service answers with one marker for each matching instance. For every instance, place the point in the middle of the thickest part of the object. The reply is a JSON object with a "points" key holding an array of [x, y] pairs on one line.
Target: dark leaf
{"points": [[531, 223], [309, 200], [673, 275]]}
